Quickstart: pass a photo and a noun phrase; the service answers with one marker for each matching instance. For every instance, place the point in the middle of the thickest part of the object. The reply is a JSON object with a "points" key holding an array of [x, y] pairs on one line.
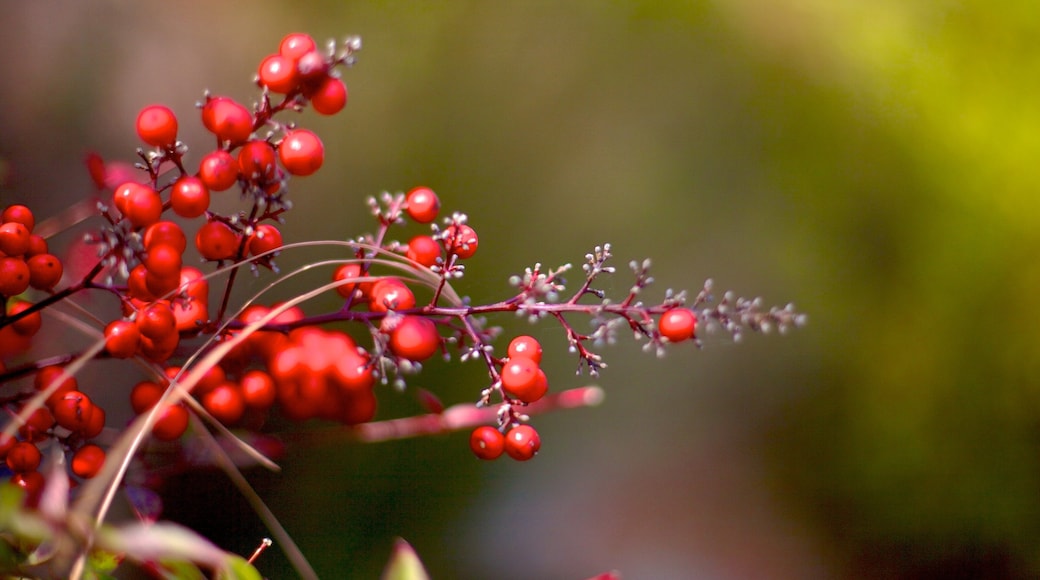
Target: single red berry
{"points": [[161, 285], [258, 390], [678, 324], [157, 126], [422, 205], [20, 214], [142, 205], [256, 160], [163, 260], [28, 325], [424, 249], [37, 425], [45, 271], [137, 284], [14, 239], [522, 442], [329, 97], [172, 423], [87, 461], [218, 170], [296, 44], [122, 338], [37, 246], [312, 67], [526, 347], [156, 321], [225, 402], [522, 379], [301, 152], [350, 272], [96, 424], [460, 240], [189, 197], [74, 411], [194, 284], [24, 457], [145, 395], [14, 276], [486, 442], [278, 74], [216, 241], [227, 119], [165, 233], [390, 294], [415, 338], [265, 239], [45, 379]]}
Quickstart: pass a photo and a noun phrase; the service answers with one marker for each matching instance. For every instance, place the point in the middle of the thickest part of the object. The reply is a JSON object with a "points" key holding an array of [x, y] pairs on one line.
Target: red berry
{"points": [[218, 170], [165, 233], [32, 482], [258, 389], [38, 424], [216, 241], [265, 239], [87, 461], [156, 321], [278, 74], [45, 271], [157, 126], [14, 276], [349, 272], [678, 324], [137, 284], [20, 214], [172, 423], [141, 205], [228, 120], [163, 260], [329, 97], [24, 457], [486, 442], [522, 442], [295, 45], [390, 294], [14, 239], [189, 197], [522, 379], [145, 395], [122, 338], [74, 411], [424, 249], [422, 205], [96, 424], [526, 347], [37, 246], [415, 338], [301, 152], [311, 67], [28, 325], [256, 160], [225, 403], [460, 240], [48, 375]]}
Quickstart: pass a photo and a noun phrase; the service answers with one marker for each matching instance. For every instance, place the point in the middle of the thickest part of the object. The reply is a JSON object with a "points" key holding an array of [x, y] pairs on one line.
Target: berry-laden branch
{"points": [[203, 371]]}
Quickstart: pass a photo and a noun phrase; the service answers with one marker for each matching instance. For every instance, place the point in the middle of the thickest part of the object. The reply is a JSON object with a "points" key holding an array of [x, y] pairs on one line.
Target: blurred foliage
{"points": [[873, 161]]}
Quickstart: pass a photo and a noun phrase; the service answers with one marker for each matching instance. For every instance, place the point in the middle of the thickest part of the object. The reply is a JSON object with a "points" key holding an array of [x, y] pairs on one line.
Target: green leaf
{"points": [[404, 564]]}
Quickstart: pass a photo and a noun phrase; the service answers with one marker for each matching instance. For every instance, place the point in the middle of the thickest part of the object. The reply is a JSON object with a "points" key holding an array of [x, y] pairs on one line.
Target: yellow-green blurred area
{"points": [[873, 162]]}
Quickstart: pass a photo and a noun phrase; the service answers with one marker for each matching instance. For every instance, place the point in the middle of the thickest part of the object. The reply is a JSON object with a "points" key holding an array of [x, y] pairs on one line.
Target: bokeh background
{"points": [[873, 162]]}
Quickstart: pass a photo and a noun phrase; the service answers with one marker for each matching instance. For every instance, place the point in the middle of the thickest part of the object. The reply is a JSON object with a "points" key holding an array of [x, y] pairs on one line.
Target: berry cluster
{"points": [[233, 366]]}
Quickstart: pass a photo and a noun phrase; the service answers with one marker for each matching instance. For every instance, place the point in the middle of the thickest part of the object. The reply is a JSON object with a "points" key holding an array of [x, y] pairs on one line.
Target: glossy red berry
{"points": [[45, 379], [522, 442], [422, 205], [45, 271], [312, 67], [523, 380], [486, 442], [526, 347], [23, 457], [460, 240], [145, 395], [14, 276], [301, 152], [415, 338], [350, 272], [157, 126], [165, 233], [20, 214], [14, 239], [265, 239], [216, 241], [296, 44], [330, 96], [87, 461], [189, 197], [278, 74], [156, 321], [139, 204], [122, 338], [225, 403], [227, 119], [256, 160], [172, 423], [678, 324], [390, 294], [218, 170], [424, 249], [163, 260], [73, 411], [28, 325], [37, 246]]}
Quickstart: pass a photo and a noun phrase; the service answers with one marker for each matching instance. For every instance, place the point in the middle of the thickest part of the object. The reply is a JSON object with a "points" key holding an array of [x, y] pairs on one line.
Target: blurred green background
{"points": [[873, 162]]}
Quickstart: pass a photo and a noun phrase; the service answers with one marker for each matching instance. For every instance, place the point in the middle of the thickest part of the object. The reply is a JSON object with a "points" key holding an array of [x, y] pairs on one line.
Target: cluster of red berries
{"points": [[24, 263]]}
